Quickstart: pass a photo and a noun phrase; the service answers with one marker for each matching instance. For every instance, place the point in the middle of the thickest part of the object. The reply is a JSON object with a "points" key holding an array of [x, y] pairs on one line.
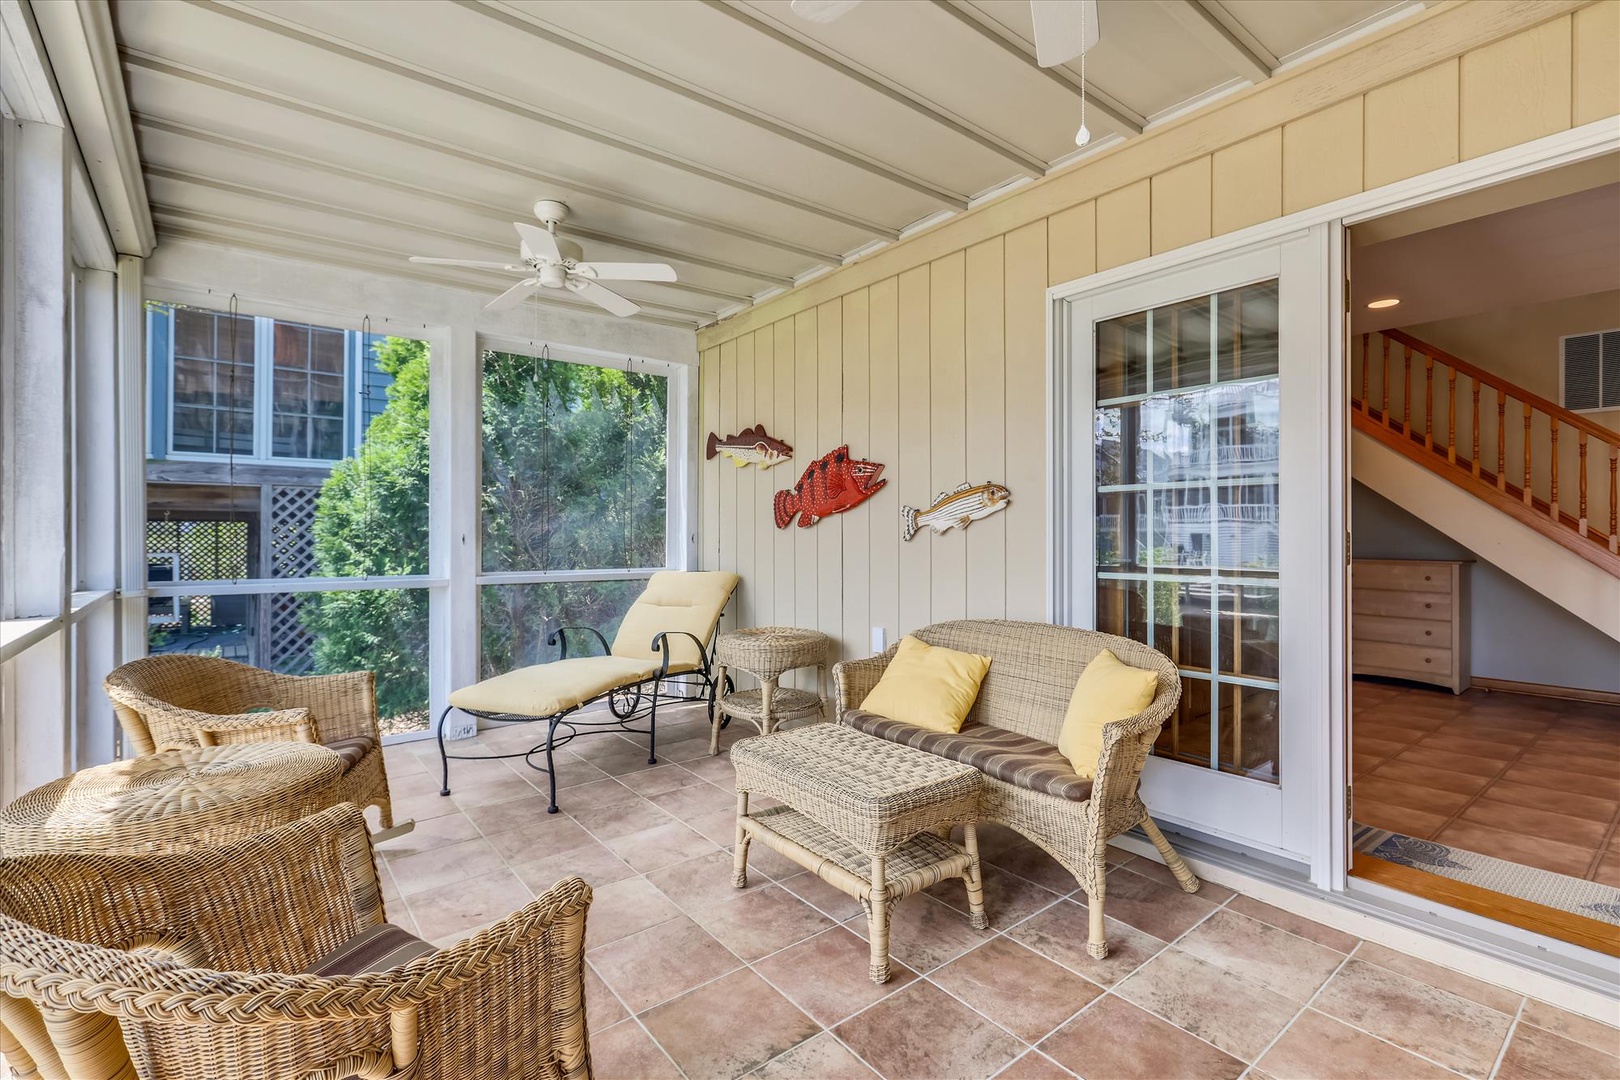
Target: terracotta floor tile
{"points": [[513, 814], [761, 921], [1035, 1066], [827, 975], [661, 962], [1608, 870], [550, 834], [924, 933], [664, 778], [1488, 994], [1397, 818], [698, 800], [444, 865], [602, 1009], [922, 1033], [1114, 1040], [1059, 933], [1531, 821], [660, 846], [1489, 728], [716, 770], [831, 902], [1467, 764], [598, 794], [626, 907], [625, 1052], [1536, 1054], [701, 882], [1604, 1037], [1007, 898], [820, 1058], [1585, 764], [428, 834], [1423, 776], [719, 826], [451, 909], [1473, 746], [609, 822], [1016, 987], [1265, 955], [1458, 1033], [1157, 871], [1555, 779], [728, 1027], [1032, 864], [1559, 802], [1381, 747], [1219, 1006], [1517, 847], [1418, 797], [423, 807], [1337, 940], [1161, 910], [1318, 1047]]}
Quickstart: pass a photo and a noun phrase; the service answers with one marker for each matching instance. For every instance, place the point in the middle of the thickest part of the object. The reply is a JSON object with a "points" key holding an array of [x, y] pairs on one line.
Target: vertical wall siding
{"points": [[937, 368]]}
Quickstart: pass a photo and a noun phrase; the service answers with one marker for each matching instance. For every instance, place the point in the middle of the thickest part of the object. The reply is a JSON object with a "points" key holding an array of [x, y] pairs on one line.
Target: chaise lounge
{"points": [[1011, 736]]}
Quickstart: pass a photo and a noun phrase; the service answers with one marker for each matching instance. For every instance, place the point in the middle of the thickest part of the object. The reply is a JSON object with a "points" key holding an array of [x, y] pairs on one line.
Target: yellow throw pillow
{"points": [[928, 686], [1108, 690]]}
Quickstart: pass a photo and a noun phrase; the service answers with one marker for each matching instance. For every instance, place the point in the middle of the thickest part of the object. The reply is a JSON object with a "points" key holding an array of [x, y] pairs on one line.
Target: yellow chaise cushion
{"points": [[928, 686], [548, 689], [1108, 690], [675, 600]]}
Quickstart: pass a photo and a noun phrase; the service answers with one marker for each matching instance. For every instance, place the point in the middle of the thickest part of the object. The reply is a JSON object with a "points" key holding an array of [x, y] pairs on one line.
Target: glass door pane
{"points": [[1187, 541]]}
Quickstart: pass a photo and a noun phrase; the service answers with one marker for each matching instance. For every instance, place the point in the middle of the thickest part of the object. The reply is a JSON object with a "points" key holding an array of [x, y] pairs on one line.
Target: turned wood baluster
{"points": [[1406, 395], [1363, 403], [1428, 402], [1527, 496], [1581, 443], [1476, 429], [1552, 497], [1386, 380], [1451, 415], [1501, 441], [1614, 498]]}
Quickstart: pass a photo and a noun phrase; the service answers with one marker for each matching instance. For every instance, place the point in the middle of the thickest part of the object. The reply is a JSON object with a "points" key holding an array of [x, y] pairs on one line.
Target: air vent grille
{"points": [[1591, 371]]}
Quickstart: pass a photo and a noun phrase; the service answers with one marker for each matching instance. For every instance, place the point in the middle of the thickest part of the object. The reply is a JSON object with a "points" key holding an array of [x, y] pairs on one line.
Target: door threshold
{"points": [[1511, 910]]}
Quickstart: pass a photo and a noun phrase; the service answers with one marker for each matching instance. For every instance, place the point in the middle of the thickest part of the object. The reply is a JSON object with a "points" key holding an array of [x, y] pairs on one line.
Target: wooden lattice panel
{"points": [[292, 531]]}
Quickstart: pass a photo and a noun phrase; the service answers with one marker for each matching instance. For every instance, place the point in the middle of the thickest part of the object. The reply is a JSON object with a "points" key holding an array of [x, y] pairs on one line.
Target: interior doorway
{"points": [[1484, 370]]}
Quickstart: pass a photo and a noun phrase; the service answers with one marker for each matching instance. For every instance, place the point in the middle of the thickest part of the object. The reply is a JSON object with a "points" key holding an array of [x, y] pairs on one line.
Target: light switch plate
{"points": [[880, 639]]}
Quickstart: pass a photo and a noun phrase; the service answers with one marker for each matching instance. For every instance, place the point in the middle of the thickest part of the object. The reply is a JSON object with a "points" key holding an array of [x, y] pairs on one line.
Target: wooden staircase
{"points": [[1456, 445]]}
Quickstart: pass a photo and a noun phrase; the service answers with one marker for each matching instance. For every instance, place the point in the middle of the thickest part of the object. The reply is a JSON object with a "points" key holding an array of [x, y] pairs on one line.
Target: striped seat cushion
{"points": [[380, 948], [1006, 755], [351, 750]]}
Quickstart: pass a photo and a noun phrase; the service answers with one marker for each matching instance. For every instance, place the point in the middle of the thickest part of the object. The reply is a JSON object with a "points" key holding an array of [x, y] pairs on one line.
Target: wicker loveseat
{"points": [[1011, 736], [268, 959], [178, 699]]}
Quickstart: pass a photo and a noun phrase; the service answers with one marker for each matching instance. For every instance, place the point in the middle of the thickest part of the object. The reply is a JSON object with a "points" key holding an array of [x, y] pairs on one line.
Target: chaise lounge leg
{"points": [[444, 759], [1184, 876], [652, 727], [1097, 942], [551, 764]]}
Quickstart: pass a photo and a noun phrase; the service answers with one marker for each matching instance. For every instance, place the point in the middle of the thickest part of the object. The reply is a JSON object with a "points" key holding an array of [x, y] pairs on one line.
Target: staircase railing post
{"points": [[1552, 497], [1501, 440], [1527, 496], [1476, 429], [1614, 498], [1385, 380], [1364, 403], [1406, 394], [1451, 415], [1428, 403], [1581, 443]]}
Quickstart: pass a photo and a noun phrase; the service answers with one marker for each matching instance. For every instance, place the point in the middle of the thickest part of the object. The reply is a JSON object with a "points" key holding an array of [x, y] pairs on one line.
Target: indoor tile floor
{"points": [[1531, 780], [689, 977]]}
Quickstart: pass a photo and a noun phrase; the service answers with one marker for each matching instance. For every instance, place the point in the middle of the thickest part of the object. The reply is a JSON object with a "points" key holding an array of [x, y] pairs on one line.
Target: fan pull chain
{"points": [[1083, 136]]}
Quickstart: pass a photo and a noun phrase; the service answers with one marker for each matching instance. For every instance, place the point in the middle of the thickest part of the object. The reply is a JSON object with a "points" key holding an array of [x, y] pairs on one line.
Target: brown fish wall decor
{"points": [[749, 446]]}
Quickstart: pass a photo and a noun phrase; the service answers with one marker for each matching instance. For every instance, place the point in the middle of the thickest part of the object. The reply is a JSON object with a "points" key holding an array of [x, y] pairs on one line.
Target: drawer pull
{"points": [[1428, 660], [1428, 633], [1426, 577], [1427, 606]]}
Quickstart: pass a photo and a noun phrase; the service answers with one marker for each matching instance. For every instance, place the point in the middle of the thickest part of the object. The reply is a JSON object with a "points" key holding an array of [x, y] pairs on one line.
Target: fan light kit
{"points": [[1386, 302], [550, 262]]}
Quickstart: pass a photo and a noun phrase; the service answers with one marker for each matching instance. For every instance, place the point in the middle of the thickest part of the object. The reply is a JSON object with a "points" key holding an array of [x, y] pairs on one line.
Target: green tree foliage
{"points": [[573, 478]]}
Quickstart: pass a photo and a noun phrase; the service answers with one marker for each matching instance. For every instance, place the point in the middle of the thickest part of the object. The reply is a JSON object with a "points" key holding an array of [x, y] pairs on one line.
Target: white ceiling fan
{"points": [[552, 263], [1063, 28]]}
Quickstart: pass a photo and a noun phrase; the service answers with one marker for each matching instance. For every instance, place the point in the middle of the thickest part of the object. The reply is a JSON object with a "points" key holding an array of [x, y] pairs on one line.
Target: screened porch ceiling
{"points": [[745, 146]]}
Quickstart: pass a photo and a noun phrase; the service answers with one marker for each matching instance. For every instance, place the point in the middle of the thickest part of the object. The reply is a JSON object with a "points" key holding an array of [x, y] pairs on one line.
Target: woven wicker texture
{"points": [[874, 794], [766, 652], [1033, 669], [506, 1002], [178, 700], [174, 800]]}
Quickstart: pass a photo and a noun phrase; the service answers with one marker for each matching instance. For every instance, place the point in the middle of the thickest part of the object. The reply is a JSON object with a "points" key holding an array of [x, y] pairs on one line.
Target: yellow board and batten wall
{"points": [[929, 355]]}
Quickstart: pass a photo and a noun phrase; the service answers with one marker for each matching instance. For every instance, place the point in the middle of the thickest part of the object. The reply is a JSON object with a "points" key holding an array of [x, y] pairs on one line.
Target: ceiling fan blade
{"points": [[821, 11], [474, 263], [513, 296], [537, 242], [612, 271], [602, 297], [1063, 29]]}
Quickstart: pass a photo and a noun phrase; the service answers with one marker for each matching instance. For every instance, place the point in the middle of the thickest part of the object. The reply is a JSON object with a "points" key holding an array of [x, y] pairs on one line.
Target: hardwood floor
{"points": [[1531, 780]]}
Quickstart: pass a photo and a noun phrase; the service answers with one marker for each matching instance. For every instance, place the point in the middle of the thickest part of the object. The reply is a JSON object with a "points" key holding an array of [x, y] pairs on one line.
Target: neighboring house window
{"points": [[213, 382], [308, 392], [1590, 371]]}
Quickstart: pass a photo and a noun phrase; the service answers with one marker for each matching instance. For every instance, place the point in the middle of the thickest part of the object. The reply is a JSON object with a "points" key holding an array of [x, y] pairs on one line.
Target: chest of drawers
{"points": [[1409, 620]]}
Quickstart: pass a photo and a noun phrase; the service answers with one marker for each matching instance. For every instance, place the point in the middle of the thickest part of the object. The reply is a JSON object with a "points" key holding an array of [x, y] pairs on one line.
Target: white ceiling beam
{"points": [[147, 62], [1026, 162], [1211, 33], [473, 206], [694, 93], [214, 229], [493, 249], [27, 90], [83, 52], [461, 89], [1126, 119]]}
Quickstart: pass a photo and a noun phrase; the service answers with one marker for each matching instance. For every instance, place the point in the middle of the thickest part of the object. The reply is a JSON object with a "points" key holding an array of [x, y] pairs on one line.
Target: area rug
{"points": [[1571, 894]]}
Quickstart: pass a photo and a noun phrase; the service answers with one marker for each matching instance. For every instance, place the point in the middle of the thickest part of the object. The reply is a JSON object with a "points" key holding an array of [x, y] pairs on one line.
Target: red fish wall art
{"points": [[832, 484]]}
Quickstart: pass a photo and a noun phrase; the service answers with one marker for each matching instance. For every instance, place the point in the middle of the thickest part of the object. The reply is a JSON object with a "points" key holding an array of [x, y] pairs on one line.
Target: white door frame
{"points": [[1321, 833]]}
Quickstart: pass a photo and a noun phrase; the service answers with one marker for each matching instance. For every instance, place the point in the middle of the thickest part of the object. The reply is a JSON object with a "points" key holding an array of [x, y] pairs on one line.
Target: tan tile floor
{"points": [[688, 977]]}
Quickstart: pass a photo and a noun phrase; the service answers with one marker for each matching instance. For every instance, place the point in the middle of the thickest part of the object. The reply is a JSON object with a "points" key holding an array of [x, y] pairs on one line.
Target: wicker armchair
{"points": [[181, 967], [182, 700], [1032, 675]]}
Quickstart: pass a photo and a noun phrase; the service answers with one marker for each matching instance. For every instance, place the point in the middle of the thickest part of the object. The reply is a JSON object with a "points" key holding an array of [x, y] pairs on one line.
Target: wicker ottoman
{"points": [[867, 816]]}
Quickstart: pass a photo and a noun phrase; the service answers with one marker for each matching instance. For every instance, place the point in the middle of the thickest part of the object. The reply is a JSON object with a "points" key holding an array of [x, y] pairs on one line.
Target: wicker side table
{"points": [[174, 800], [767, 653], [868, 817]]}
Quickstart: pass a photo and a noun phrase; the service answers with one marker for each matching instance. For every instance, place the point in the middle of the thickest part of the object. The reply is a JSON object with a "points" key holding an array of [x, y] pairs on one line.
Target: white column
{"points": [[454, 399]]}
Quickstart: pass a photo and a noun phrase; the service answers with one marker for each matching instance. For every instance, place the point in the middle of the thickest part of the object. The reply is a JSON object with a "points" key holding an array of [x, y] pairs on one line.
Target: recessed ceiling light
{"points": [[1386, 302]]}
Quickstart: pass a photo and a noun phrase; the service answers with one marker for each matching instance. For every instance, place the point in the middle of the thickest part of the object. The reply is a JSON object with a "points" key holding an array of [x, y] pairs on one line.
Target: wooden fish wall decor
{"points": [[831, 484], [963, 507], [749, 446]]}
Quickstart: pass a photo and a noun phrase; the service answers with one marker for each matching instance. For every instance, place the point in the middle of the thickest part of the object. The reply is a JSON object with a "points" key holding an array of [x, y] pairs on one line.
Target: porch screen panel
{"points": [[1186, 432]]}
